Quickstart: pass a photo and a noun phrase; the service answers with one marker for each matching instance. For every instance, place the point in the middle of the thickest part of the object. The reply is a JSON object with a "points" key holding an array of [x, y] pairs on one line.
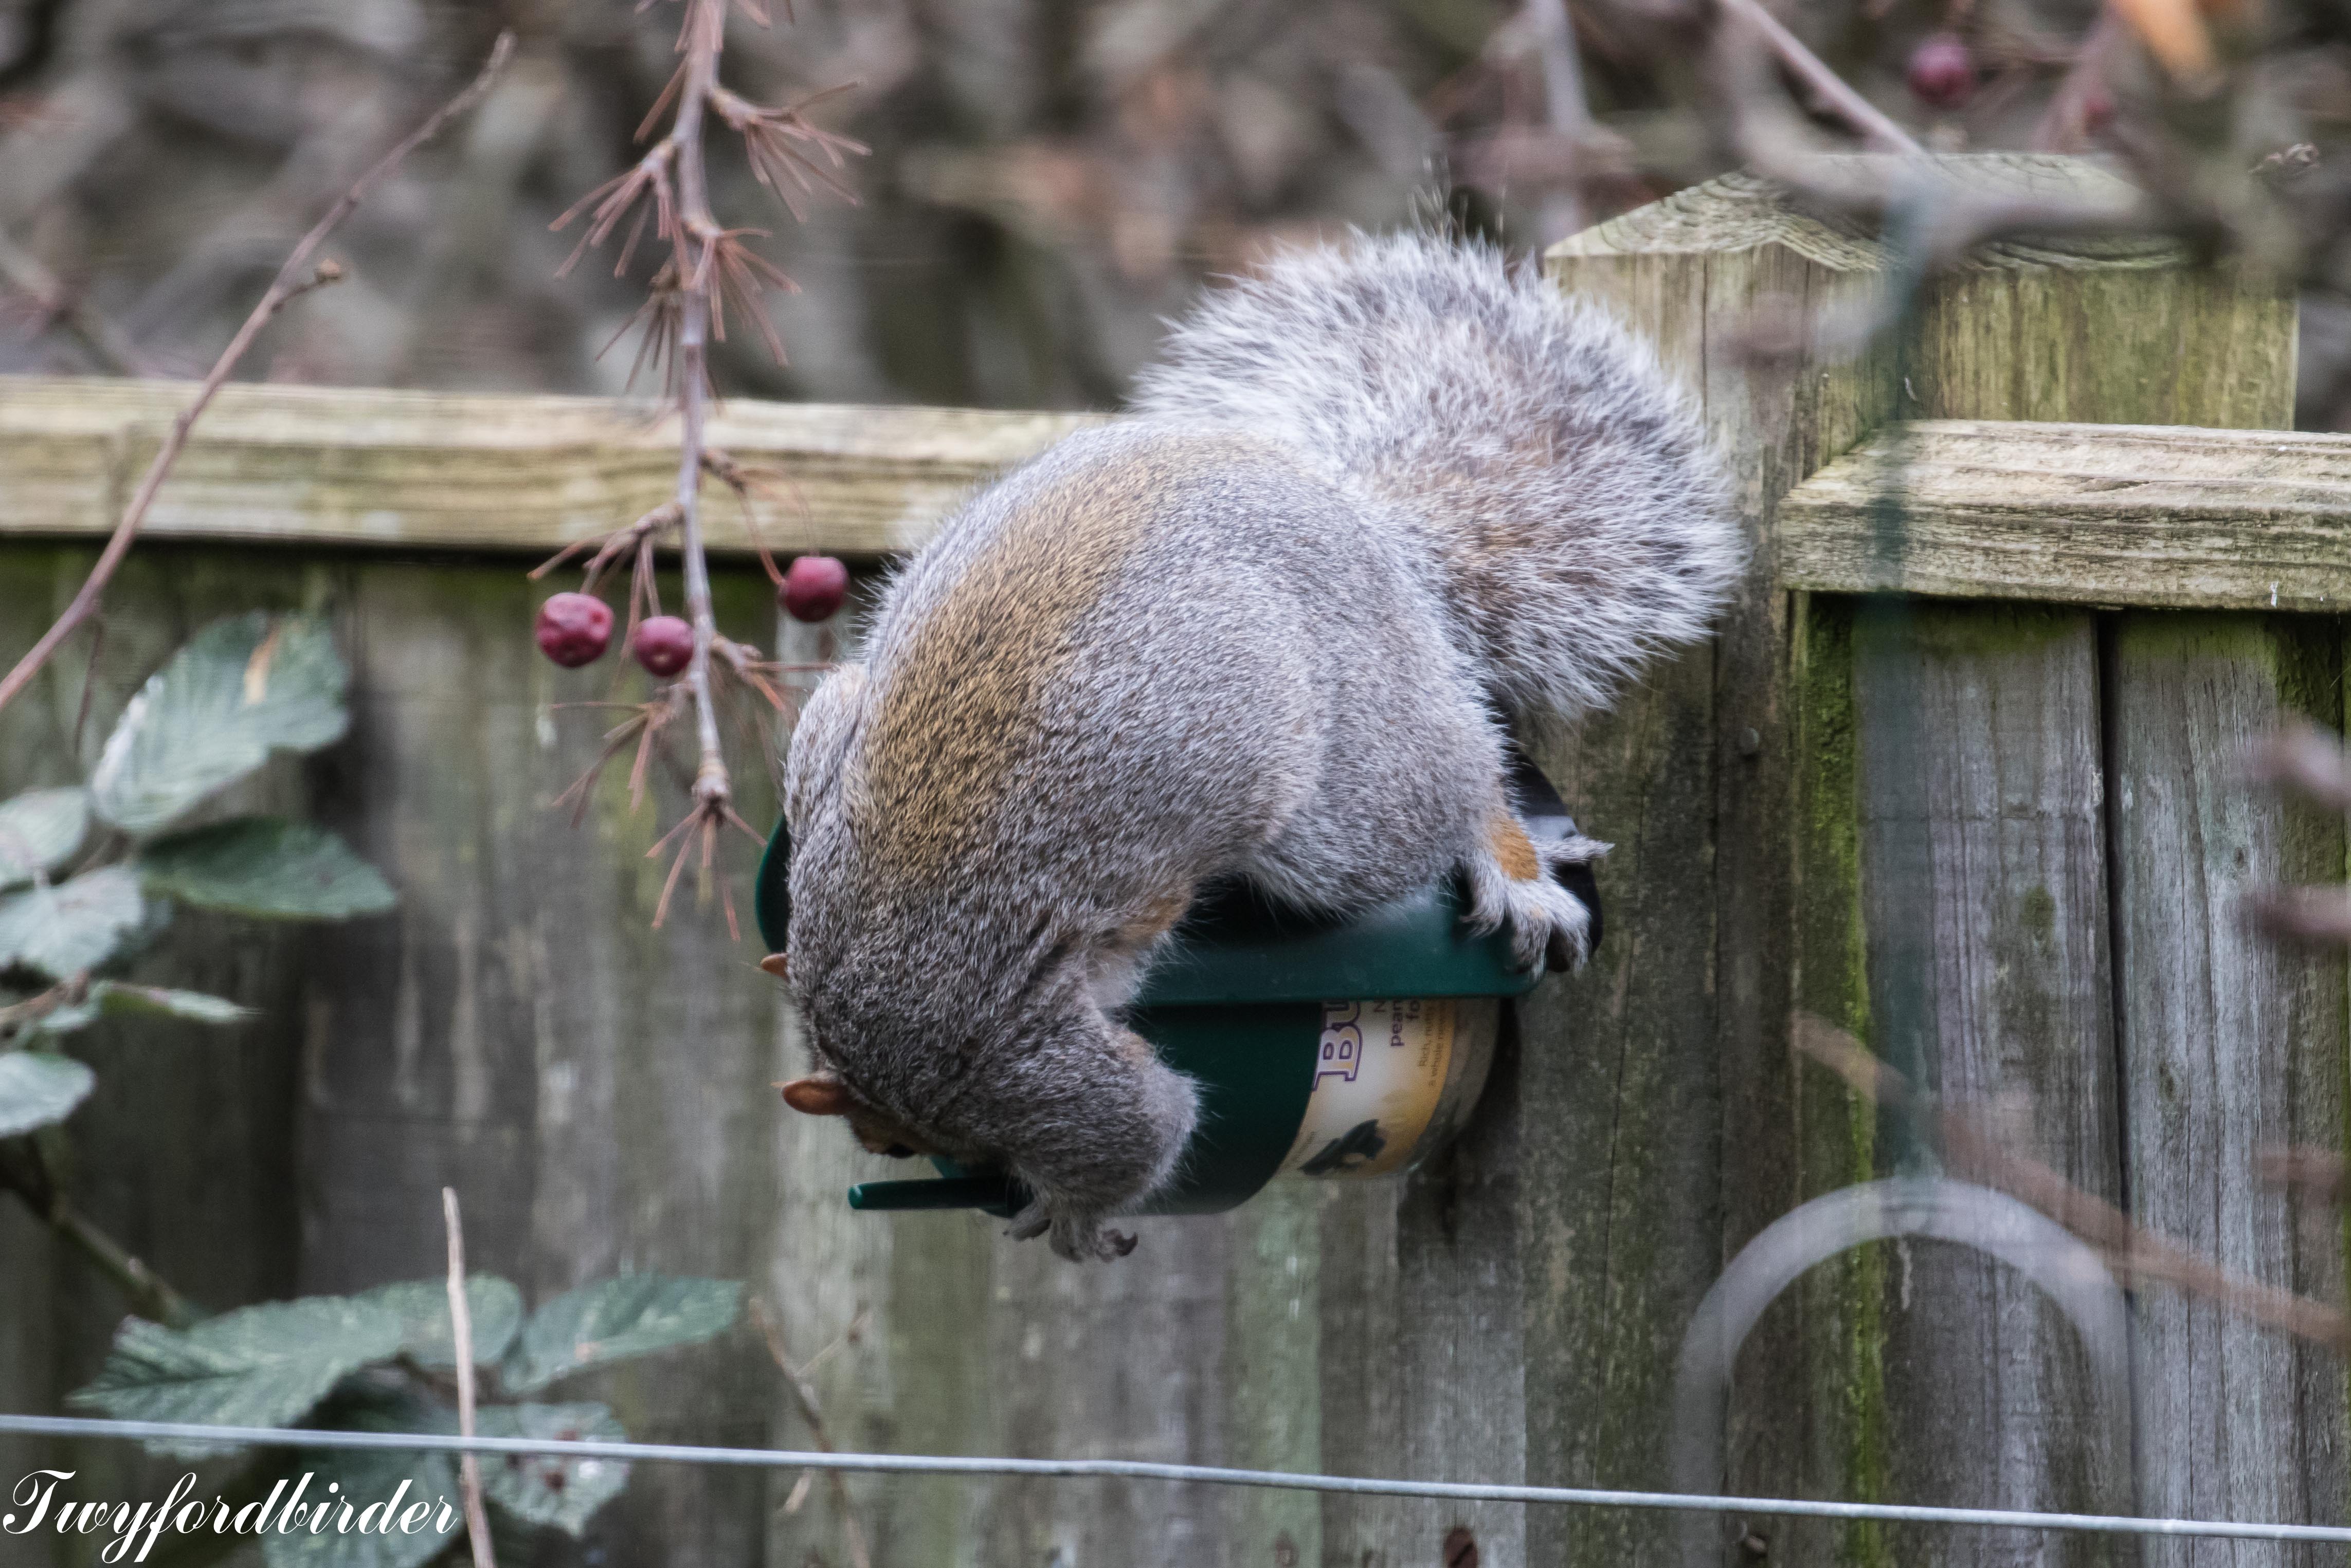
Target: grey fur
{"points": [[1371, 496]]}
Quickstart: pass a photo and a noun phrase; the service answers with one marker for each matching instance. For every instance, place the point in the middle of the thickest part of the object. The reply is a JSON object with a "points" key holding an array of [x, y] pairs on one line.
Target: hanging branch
{"points": [[709, 268], [294, 277]]}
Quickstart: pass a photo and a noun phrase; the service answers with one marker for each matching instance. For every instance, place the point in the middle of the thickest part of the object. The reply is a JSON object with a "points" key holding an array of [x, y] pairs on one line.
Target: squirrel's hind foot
{"points": [[1548, 925], [1072, 1239]]}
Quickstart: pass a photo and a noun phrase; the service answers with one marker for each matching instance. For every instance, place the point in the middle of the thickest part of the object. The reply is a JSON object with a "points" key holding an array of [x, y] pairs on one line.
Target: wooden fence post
{"points": [[1891, 823]]}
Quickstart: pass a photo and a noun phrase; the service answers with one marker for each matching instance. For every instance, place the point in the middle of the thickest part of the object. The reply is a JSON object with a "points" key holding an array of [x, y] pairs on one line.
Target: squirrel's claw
{"points": [[1074, 1240], [1550, 926]]}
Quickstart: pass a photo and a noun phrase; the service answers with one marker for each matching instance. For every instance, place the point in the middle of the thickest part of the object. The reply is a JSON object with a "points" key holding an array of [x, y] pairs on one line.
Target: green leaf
{"points": [[72, 926], [494, 1304], [116, 999], [370, 1479], [112, 998], [541, 1489], [39, 831], [267, 867], [615, 1318], [257, 1366], [240, 688], [36, 1089]]}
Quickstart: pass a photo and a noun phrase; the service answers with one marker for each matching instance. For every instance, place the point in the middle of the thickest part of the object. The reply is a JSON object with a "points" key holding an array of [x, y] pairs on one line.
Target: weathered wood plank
{"points": [[2085, 514], [1671, 1113], [1985, 901], [406, 470], [1618, 1114], [2230, 1046]]}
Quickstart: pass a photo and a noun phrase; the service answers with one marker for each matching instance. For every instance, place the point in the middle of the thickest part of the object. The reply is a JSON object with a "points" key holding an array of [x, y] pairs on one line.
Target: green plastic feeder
{"points": [[1322, 1048]]}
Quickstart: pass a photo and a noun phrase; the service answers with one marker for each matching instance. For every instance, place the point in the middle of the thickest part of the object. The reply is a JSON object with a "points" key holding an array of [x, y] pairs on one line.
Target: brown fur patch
{"points": [[1148, 926], [1513, 849], [952, 722]]}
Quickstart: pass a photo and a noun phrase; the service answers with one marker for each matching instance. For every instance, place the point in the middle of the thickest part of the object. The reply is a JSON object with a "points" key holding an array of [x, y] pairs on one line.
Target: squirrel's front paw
{"points": [[1548, 925]]}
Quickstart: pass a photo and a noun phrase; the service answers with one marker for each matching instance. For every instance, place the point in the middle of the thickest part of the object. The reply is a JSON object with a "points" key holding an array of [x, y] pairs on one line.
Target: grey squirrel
{"points": [[1371, 501]]}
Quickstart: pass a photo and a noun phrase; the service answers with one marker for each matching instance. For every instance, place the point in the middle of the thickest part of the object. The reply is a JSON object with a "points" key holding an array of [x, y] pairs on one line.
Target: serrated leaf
{"points": [[116, 999], [257, 1366], [616, 1318], [112, 998], [542, 1488], [241, 688], [372, 1480], [39, 831], [267, 867], [494, 1304], [75, 925], [37, 1088]]}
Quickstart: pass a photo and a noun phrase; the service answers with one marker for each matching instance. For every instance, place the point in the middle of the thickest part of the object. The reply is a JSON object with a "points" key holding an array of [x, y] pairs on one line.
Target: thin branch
{"points": [[102, 337], [460, 1341], [2129, 1249], [24, 1172], [1855, 110], [804, 1395], [293, 278]]}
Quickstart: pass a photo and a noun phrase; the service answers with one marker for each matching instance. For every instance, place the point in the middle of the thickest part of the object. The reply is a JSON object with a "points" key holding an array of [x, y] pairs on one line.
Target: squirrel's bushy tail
{"points": [[1581, 520]]}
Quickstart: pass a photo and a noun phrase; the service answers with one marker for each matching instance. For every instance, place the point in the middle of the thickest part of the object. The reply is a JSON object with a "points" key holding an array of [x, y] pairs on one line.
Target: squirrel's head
{"points": [[1076, 1108]]}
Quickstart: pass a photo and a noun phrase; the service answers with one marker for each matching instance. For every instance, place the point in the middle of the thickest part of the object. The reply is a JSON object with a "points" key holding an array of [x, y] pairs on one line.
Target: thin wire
{"points": [[1141, 1470]]}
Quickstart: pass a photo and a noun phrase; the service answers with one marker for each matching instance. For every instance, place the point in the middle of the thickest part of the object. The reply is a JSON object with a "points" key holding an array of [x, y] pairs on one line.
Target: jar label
{"points": [[1379, 1076]]}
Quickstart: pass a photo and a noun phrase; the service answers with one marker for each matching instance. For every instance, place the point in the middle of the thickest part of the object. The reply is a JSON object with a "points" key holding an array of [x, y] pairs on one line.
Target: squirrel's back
{"points": [[1581, 521]]}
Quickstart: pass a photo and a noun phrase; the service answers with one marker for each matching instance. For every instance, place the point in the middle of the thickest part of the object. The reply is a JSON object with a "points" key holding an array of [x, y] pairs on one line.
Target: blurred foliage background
{"points": [[1049, 179]]}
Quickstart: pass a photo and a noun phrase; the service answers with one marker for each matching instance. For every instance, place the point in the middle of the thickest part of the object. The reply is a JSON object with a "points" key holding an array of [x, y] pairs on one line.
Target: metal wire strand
{"points": [[1140, 1469]]}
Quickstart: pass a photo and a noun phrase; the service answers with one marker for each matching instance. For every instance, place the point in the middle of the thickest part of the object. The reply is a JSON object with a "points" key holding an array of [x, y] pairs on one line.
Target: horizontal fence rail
{"points": [[1145, 1469], [2083, 514], [410, 470]]}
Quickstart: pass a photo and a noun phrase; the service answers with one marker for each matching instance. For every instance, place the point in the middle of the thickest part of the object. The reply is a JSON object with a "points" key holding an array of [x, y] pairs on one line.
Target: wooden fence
{"points": [[1990, 822]]}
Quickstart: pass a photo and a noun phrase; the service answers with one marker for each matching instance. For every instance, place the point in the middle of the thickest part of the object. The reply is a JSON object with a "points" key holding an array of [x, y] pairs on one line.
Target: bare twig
{"points": [[2129, 1249], [2073, 112], [102, 338], [25, 1172], [1855, 110], [804, 1395], [461, 1340], [293, 278]]}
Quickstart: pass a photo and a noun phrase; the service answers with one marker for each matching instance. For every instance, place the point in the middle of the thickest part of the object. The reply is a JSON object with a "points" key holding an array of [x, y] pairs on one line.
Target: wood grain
{"points": [[406, 470], [1985, 901], [2230, 1046], [2087, 514]]}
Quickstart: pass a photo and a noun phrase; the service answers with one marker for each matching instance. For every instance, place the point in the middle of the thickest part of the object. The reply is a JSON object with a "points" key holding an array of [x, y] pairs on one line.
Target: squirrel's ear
{"points": [[817, 1097]]}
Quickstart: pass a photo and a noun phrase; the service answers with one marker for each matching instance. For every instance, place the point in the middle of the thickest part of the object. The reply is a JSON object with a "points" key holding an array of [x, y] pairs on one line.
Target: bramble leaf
{"points": [[613, 1318], [37, 1088], [73, 926], [267, 867], [113, 999], [39, 831], [257, 1366], [370, 1479], [494, 1304], [238, 690], [542, 1488]]}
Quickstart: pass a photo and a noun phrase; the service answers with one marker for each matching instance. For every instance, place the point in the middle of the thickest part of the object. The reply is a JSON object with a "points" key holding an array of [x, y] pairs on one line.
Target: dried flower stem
{"points": [[293, 278], [460, 1341], [695, 245]]}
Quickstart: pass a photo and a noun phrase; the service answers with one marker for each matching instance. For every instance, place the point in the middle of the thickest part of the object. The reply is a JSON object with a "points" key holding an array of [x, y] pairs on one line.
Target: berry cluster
{"points": [[575, 629]]}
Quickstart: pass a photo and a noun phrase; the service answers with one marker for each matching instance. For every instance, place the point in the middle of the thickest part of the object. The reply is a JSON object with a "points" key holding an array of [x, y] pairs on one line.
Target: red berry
{"points": [[665, 645], [1941, 71], [574, 628], [814, 587]]}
